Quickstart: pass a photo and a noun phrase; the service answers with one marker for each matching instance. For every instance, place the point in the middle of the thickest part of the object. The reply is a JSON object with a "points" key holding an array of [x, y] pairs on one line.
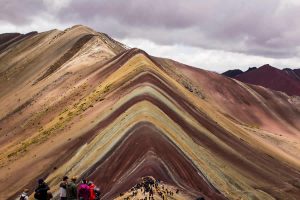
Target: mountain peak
{"points": [[267, 67]]}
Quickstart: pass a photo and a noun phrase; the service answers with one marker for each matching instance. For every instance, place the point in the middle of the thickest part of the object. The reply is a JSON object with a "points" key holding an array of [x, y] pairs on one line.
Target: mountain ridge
{"points": [[285, 80], [114, 115]]}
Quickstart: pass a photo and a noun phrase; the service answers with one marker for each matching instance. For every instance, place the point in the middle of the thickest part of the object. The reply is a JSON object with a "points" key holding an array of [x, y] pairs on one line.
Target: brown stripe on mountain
{"points": [[68, 55]]}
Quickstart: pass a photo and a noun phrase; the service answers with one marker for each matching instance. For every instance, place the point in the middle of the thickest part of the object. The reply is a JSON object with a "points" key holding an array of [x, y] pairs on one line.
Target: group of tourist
{"points": [[68, 190], [148, 187], [83, 191], [87, 190]]}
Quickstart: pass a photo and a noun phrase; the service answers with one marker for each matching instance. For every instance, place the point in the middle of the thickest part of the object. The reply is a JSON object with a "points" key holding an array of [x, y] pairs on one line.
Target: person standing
{"points": [[41, 192], [63, 188], [92, 190], [72, 189], [83, 191], [49, 195], [97, 193], [24, 195]]}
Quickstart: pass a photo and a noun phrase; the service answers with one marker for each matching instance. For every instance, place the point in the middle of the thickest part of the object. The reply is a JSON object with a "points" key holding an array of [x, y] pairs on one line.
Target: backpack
{"points": [[37, 195]]}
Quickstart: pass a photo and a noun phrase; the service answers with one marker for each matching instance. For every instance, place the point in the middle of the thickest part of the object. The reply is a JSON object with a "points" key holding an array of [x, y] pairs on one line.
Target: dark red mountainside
{"points": [[286, 80], [297, 71], [294, 73], [233, 73]]}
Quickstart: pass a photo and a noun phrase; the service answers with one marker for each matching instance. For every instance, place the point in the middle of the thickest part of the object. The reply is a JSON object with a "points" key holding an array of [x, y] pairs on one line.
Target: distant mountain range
{"points": [[286, 80]]}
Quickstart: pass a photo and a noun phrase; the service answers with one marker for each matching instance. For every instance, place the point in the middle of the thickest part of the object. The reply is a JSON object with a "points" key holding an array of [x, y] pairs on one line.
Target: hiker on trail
{"points": [[41, 192], [83, 191], [24, 195], [97, 193], [92, 190], [151, 192], [72, 189], [63, 188]]}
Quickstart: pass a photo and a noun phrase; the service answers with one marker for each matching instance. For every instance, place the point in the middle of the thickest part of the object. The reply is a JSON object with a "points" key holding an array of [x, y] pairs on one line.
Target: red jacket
{"points": [[92, 192]]}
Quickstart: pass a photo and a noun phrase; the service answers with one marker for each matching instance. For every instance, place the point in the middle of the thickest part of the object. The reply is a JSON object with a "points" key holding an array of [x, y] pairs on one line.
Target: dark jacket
{"points": [[71, 191], [97, 193], [41, 191]]}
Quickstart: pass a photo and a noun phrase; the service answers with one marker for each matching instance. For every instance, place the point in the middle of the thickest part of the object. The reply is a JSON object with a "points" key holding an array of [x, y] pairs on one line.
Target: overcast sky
{"points": [[215, 34]]}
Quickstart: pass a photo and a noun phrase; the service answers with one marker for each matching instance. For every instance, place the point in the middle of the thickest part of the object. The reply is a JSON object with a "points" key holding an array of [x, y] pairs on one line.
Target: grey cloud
{"points": [[258, 27], [253, 27], [20, 12]]}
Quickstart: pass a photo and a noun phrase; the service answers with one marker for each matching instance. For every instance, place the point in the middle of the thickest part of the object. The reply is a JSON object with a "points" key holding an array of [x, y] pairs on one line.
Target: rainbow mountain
{"points": [[79, 103]]}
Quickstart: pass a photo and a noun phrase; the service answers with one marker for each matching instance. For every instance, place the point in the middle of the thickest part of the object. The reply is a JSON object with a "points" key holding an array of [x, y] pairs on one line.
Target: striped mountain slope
{"points": [[77, 102]]}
